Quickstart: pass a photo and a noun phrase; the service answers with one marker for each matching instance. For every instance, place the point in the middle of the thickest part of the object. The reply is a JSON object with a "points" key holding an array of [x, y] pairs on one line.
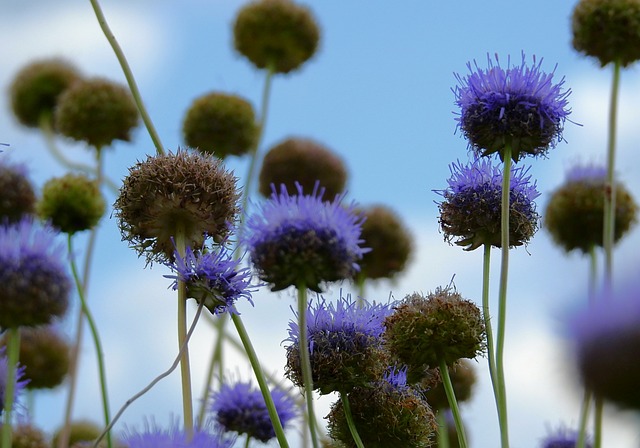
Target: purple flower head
{"points": [[301, 240], [241, 408], [213, 278], [35, 283], [345, 344], [517, 107], [396, 377], [586, 173], [562, 438], [155, 437], [472, 207], [607, 344], [19, 384]]}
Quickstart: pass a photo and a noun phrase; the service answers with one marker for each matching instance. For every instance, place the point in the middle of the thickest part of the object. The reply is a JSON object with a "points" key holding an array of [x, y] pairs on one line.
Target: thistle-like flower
{"points": [[154, 436], [304, 241], [471, 210], [214, 278], [517, 107], [20, 382], [241, 408], [35, 283], [345, 345], [575, 213], [562, 438]]}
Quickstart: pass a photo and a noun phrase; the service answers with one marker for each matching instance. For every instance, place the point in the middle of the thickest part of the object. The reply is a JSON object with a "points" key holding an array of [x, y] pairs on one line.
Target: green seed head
{"points": [[25, 435]]}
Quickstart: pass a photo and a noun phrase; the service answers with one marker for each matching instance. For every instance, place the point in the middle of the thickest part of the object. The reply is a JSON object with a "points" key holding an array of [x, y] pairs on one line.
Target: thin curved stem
{"points": [[352, 426], [453, 403], [502, 298], [133, 87], [95, 336], [262, 382], [216, 360], [12, 354], [491, 354]]}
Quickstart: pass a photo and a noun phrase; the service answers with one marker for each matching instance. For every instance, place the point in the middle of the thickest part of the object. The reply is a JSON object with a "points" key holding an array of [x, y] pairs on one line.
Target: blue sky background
{"points": [[378, 92]]}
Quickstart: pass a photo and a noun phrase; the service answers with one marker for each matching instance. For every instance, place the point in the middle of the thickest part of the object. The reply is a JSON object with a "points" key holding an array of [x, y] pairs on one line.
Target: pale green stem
{"points": [[96, 338], [216, 360], [597, 425], [453, 403], [305, 361], [185, 370], [155, 380], [584, 418], [262, 382], [133, 87], [491, 354], [360, 284], [593, 273], [12, 354], [502, 297], [352, 426], [443, 429], [610, 186], [246, 443]]}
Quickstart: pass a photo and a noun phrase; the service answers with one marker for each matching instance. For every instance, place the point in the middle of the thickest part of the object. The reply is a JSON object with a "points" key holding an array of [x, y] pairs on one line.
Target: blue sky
{"points": [[378, 92]]}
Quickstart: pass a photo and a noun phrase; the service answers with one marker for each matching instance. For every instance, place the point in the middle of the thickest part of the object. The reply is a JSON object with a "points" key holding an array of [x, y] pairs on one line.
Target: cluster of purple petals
{"points": [[154, 436], [29, 240], [19, 384], [586, 173], [397, 378], [562, 438], [241, 408], [351, 325], [214, 277]]}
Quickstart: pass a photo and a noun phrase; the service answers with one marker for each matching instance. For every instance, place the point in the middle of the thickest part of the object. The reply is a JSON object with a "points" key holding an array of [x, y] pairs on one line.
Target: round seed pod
{"points": [[25, 435], [17, 197]]}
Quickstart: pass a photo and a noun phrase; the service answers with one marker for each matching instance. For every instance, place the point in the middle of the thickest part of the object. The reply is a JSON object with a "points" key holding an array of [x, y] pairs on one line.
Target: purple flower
{"points": [[345, 344], [35, 283], [213, 278], [302, 241], [585, 173], [396, 377], [155, 437], [19, 384], [518, 107], [562, 438], [607, 344], [241, 408], [472, 207]]}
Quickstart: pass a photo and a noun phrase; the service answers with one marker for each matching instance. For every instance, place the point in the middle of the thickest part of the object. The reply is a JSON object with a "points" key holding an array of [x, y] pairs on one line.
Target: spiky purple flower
{"points": [[517, 107], [301, 240], [586, 173], [396, 377], [34, 279], [214, 278], [607, 344], [562, 438], [19, 384], [345, 344], [153, 436], [471, 210], [241, 408]]}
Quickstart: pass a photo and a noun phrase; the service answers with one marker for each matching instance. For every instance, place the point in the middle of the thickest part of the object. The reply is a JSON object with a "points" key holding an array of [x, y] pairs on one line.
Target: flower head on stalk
{"points": [[345, 345], [471, 210], [20, 382], [241, 408], [517, 107], [303, 240], [155, 437], [214, 278]]}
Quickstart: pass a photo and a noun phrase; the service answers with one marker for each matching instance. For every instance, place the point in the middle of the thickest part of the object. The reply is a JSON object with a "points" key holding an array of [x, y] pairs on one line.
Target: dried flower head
{"points": [[608, 30], [276, 34], [575, 213], [463, 378], [303, 161], [387, 413], [607, 345], [441, 326], [71, 203], [517, 107], [303, 241], [25, 435], [79, 431], [472, 207], [345, 345], [36, 87], [182, 192], [240, 408], [563, 438], [220, 124], [35, 283], [214, 278], [97, 112], [390, 242], [17, 197]]}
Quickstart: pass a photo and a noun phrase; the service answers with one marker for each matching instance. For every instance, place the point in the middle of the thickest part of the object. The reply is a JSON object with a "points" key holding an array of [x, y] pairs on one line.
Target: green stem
{"points": [[360, 284], [262, 382], [491, 354], [96, 338], [584, 417], [443, 429], [305, 361], [216, 360], [352, 426], [246, 443], [185, 370], [593, 273], [453, 403], [133, 87], [12, 354], [610, 187], [597, 425], [502, 297]]}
